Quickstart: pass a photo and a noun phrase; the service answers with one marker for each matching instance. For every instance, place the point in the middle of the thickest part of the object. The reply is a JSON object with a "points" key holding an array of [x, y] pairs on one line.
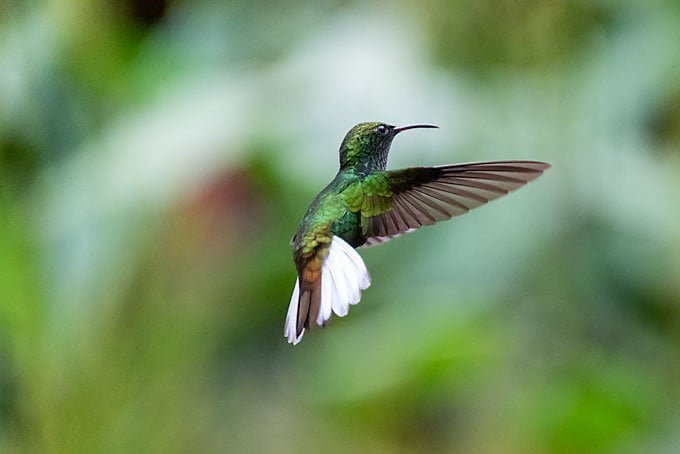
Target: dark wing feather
{"points": [[425, 195]]}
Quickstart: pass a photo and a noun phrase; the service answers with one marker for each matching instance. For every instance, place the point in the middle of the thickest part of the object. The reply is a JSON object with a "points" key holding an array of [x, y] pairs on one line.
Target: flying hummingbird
{"points": [[366, 205]]}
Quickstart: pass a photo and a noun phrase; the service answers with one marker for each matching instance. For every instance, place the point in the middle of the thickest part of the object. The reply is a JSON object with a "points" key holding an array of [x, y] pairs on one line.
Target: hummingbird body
{"points": [[366, 205]]}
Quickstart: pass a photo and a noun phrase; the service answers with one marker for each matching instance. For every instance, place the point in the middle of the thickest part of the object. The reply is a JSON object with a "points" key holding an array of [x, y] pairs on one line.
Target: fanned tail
{"points": [[343, 277]]}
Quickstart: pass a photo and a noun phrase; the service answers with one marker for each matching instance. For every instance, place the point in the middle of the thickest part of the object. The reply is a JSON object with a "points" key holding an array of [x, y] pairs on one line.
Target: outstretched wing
{"points": [[424, 195]]}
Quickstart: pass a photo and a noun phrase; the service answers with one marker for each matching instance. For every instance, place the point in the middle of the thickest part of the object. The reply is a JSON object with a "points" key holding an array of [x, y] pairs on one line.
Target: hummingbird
{"points": [[366, 205]]}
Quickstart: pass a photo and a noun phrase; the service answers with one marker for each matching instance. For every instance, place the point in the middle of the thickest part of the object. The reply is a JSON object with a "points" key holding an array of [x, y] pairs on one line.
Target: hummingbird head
{"points": [[366, 145]]}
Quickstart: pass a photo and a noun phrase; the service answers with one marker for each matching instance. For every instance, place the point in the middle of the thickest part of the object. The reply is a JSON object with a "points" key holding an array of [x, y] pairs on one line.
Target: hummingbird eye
{"points": [[382, 130]]}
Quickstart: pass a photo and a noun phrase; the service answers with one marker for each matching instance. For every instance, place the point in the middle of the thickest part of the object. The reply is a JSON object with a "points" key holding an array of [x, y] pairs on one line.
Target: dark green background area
{"points": [[156, 156]]}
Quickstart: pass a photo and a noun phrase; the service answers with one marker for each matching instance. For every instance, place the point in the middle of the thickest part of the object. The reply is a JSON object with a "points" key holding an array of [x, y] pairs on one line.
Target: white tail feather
{"points": [[326, 297], [290, 328], [343, 277]]}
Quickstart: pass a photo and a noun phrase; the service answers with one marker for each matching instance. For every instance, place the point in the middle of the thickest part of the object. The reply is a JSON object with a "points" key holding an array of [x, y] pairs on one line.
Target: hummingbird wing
{"points": [[424, 195]]}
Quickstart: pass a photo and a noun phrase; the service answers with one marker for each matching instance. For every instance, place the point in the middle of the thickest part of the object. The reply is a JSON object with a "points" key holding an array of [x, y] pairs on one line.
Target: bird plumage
{"points": [[366, 205]]}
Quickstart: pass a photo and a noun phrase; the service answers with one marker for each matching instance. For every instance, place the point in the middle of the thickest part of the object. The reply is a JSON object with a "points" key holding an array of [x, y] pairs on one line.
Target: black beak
{"points": [[405, 128]]}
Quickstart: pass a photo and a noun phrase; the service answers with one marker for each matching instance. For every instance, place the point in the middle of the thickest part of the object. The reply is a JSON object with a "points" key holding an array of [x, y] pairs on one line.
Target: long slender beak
{"points": [[405, 128]]}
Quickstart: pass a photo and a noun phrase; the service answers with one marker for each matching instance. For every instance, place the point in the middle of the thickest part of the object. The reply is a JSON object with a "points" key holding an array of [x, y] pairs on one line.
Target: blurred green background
{"points": [[156, 156]]}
